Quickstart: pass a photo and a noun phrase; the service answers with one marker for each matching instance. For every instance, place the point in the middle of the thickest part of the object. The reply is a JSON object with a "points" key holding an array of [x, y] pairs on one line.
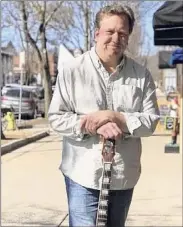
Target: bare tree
{"points": [[37, 23], [83, 25], [41, 51], [70, 23], [82, 30]]}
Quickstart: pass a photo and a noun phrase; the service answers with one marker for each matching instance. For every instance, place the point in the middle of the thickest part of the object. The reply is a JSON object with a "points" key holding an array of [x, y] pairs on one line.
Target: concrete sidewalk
{"points": [[158, 196], [33, 192]]}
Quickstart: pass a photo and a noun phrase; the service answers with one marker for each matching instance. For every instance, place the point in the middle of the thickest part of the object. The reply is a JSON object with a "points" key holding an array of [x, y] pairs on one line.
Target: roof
{"points": [[64, 55], [8, 48]]}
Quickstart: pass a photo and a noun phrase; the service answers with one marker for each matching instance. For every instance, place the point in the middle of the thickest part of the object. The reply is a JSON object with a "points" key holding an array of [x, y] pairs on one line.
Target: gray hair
{"points": [[116, 9]]}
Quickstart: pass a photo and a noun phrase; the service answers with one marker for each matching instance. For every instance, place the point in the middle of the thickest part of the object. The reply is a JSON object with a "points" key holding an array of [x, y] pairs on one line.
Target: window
{"points": [[16, 93]]}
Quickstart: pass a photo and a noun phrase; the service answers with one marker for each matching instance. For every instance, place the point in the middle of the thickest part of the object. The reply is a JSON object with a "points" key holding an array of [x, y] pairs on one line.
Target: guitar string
{"points": [[106, 174], [101, 207], [101, 197], [106, 186]]}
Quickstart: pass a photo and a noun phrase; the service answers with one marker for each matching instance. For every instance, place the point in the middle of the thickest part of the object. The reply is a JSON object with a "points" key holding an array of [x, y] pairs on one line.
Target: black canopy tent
{"points": [[168, 24], [168, 30]]}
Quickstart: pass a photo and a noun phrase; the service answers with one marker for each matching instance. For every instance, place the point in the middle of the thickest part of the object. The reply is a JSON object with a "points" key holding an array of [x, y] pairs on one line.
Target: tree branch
{"points": [[52, 13], [25, 27]]}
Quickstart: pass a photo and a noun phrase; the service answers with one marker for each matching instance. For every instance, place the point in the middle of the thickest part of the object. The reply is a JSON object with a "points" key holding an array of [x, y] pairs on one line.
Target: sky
{"points": [[9, 34], [149, 40]]}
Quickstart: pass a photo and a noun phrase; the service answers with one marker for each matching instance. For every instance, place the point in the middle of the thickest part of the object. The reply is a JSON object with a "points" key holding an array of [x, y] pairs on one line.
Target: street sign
{"points": [[169, 123]]}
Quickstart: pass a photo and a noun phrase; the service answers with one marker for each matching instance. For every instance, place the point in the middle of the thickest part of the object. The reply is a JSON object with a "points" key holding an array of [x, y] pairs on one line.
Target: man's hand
{"points": [[91, 122], [110, 131]]}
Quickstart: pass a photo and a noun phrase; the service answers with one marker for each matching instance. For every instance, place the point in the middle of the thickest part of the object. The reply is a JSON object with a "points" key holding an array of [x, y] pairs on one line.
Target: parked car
{"points": [[39, 92], [41, 101], [29, 103], [9, 87]]}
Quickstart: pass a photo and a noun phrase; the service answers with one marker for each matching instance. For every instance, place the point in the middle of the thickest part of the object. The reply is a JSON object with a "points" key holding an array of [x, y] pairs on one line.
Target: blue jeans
{"points": [[83, 204]]}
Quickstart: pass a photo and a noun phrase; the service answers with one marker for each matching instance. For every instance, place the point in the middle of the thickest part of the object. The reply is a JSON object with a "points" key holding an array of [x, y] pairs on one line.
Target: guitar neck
{"points": [[104, 195]]}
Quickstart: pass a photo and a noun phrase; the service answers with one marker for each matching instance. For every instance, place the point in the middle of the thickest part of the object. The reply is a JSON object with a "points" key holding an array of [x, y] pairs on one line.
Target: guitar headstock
{"points": [[108, 150]]}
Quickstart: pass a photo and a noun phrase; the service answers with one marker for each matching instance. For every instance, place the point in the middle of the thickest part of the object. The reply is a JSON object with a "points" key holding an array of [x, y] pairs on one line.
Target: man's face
{"points": [[112, 36]]}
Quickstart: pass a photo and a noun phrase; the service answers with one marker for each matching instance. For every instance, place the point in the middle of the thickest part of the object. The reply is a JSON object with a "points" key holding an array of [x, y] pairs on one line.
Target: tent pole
{"points": [[180, 78]]}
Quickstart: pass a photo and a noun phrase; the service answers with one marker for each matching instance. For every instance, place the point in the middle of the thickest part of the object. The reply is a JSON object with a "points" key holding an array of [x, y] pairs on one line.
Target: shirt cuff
{"points": [[78, 134], [132, 122]]}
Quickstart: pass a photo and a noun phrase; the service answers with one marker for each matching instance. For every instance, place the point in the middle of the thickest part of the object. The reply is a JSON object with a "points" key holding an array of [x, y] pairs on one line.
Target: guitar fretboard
{"points": [[104, 195]]}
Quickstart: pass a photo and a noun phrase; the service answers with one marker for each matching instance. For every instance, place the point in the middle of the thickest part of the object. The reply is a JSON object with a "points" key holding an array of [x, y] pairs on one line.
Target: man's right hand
{"points": [[110, 131], [91, 122]]}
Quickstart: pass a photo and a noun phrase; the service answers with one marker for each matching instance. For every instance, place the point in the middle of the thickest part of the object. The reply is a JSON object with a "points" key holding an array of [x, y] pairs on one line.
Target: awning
{"points": [[168, 24], [164, 60]]}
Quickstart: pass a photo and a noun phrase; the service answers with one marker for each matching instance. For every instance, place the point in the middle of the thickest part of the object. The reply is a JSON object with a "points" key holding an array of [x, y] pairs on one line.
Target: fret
{"points": [[102, 212], [102, 218], [108, 176], [107, 166], [103, 202], [104, 192], [107, 173], [106, 186], [104, 197], [106, 180], [101, 224]]}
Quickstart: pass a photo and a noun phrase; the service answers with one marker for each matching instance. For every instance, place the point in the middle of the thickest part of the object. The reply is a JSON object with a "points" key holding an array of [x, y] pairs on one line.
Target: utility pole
{"points": [[20, 100]]}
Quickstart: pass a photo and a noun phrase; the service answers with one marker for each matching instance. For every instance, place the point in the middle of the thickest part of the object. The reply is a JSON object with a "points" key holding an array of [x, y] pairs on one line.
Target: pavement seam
{"points": [[63, 219]]}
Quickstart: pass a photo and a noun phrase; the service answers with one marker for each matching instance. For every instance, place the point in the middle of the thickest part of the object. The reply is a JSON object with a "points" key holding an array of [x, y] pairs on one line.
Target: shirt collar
{"points": [[98, 63]]}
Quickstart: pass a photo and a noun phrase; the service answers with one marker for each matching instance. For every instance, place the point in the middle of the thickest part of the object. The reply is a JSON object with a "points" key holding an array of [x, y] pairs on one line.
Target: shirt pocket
{"points": [[86, 100], [127, 98]]}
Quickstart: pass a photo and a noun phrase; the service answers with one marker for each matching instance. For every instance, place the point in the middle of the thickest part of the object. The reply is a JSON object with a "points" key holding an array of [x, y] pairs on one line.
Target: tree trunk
{"points": [[47, 86], [86, 24], [2, 134], [46, 72]]}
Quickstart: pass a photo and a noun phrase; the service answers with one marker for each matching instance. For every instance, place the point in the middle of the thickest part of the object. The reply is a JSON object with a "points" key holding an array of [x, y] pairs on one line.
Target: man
{"points": [[103, 93]]}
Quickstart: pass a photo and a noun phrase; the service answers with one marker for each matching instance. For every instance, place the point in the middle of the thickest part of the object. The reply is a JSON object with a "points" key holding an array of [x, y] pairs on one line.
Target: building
{"points": [[30, 69], [7, 53], [53, 60], [19, 67]]}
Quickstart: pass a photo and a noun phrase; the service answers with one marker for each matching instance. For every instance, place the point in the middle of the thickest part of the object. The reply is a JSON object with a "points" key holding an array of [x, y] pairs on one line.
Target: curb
{"points": [[22, 142]]}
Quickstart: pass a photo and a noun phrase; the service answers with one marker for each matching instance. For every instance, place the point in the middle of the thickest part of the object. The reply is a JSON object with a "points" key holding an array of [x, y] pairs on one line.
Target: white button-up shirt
{"points": [[84, 86]]}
